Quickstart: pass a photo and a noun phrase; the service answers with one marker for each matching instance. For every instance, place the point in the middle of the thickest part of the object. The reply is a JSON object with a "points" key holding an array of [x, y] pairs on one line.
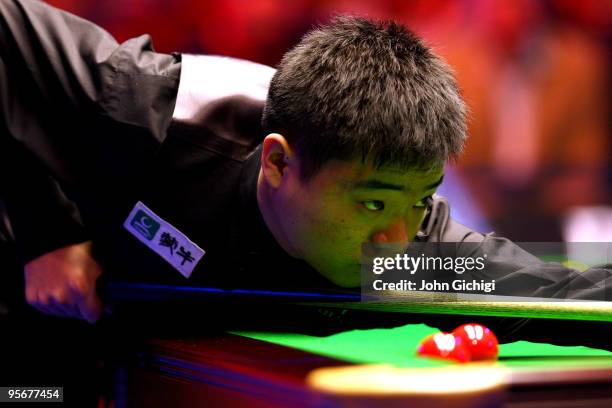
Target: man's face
{"points": [[326, 219]]}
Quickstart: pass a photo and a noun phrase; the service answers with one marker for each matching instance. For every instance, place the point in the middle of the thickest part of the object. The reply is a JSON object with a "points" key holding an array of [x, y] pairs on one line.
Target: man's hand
{"points": [[63, 283]]}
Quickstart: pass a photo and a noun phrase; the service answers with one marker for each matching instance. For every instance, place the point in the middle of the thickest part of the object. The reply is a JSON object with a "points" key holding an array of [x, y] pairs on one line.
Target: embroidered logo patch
{"points": [[164, 239]]}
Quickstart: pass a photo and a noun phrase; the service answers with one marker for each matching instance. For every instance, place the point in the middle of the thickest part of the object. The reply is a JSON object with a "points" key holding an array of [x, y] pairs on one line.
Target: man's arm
{"points": [[42, 217], [519, 273], [45, 226], [58, 73], [57, 70], [59, 269]]}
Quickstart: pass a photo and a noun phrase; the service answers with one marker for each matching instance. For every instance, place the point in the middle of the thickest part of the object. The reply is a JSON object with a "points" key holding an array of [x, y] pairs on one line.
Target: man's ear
{"points": [[275, 157]]}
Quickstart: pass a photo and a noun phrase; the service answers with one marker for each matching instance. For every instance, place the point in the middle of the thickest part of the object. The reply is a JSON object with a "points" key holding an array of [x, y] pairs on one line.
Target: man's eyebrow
{"points": [[377, 185], [383, 185]]}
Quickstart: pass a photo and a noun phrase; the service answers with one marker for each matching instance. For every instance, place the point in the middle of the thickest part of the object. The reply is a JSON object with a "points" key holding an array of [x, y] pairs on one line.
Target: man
{"points": [[169, 183], [218, 238]]}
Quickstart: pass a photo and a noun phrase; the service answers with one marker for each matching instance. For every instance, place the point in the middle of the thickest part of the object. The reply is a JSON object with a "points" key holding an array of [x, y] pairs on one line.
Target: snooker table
{"points": [[276, 369]]}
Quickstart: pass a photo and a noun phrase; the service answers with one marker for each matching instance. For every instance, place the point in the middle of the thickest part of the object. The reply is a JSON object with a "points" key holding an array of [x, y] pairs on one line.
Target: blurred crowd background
{"points": [[536, 75]]}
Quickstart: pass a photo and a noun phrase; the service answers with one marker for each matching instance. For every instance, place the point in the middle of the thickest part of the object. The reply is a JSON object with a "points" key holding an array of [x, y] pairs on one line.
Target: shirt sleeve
{"points": [[40, 215], [519, 273], [58, 74], [74, 63]]}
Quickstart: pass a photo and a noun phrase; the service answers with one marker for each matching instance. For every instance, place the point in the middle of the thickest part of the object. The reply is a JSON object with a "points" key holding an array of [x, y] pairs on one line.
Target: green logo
{"points": [[145, 225]]}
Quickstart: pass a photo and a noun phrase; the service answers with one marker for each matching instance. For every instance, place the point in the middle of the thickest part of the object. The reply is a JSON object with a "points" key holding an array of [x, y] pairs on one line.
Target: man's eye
{"points": [[373, 205], [424, 202]]}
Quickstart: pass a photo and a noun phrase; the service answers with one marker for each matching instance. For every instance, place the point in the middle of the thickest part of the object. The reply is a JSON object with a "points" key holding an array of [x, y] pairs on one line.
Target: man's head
{"points": [[361, 117]]}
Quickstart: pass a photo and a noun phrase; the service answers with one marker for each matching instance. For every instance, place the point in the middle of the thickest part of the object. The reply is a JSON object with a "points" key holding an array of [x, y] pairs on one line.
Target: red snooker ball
{"points": [[480, 340], [444, 346]]}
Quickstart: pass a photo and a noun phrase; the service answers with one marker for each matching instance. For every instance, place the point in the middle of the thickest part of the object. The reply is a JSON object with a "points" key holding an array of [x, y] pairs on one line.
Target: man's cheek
{"points": [[347, 248]]}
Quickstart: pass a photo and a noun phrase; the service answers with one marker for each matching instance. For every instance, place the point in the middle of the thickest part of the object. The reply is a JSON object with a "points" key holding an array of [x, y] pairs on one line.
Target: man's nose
{"points": [[397, 231]]}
